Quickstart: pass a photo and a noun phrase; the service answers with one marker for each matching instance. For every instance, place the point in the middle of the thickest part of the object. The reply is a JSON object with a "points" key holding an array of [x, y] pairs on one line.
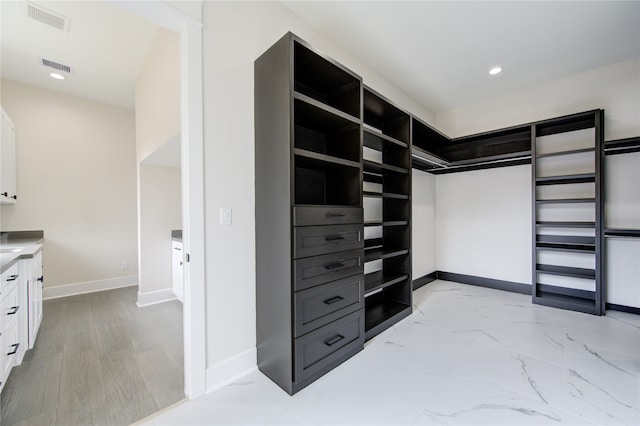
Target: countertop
{"points": [[20, 245]]}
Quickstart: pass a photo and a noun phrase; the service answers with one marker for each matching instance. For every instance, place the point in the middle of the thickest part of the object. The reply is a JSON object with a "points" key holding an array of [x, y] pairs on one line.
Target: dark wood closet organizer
{"points": [[315, 304], [333, 165]]}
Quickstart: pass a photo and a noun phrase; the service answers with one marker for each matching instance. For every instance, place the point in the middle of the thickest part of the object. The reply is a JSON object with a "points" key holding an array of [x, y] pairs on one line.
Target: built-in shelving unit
{"points": [[387, 204], [627, 233], [567, 212], [310, 281]]}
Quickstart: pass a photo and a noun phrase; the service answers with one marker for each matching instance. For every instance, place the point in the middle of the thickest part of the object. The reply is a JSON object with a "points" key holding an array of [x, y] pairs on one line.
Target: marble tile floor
{"points": [[466, 356]]}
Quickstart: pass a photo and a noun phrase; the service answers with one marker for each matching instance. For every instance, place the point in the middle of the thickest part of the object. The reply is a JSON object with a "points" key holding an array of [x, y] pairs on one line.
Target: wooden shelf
{"points": [[372, 166], [574, 248], [383, 253], [376, 281], [630, 233], [326, 159], [389, 195], [566, 179], [570, 152], [567, 201], [545, 224], [566, 271], [373, 138]]}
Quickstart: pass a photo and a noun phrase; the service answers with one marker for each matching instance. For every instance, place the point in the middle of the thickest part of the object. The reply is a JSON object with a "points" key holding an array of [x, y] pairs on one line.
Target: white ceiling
{"points": [[105, 45], [441, 52], [438, 52]]}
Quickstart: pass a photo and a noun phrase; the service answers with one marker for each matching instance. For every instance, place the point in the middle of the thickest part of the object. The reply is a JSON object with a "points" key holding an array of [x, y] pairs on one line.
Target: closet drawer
{"points": [[328, 346], [313, 271], [315, 240], [309, 216], [320, 305]]}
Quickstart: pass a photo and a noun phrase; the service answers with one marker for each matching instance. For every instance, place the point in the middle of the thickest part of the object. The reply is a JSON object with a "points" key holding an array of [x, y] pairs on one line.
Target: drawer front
{"points": [[10, 304], [316, 240], [326, 346], [320, 305], [313, 271], [9, 279], [309, 216], [10, 346]]}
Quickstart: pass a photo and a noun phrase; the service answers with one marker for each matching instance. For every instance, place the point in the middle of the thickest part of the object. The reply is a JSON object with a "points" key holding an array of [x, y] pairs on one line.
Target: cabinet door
{"points": [[7, 161], [35, 298], [176, 269]]}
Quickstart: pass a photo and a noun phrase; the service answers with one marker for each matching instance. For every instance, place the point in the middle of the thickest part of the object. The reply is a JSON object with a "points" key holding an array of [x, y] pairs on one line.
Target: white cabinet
{"points": [[33, 301], [8, 193], [10, 312], [176, 269]]}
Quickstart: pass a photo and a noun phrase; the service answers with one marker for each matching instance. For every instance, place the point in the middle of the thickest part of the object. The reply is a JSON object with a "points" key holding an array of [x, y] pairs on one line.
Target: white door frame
{"points": [[191, 129]]}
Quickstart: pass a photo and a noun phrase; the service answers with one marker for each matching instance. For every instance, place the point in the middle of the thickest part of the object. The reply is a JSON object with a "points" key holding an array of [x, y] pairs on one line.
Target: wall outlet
{"points": [[225, 216], [124, 265]]}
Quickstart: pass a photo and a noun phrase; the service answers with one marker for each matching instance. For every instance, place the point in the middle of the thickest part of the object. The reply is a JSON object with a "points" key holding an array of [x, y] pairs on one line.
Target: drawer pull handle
{"points": [[177, 248], [15, 349], [333, 340], [333, 238], [336, 215], [333, 300], [334, 265], [12, 278], [41, 279], [15, 309]]}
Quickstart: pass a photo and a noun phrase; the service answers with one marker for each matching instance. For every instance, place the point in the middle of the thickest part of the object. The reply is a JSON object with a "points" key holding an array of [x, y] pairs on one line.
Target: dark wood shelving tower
{"points": [[567, 212], [387, 138]]}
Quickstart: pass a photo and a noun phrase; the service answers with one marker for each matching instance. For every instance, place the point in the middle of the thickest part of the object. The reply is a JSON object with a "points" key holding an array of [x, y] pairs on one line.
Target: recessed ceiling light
{"points": [[57, 76], [495, 70]]}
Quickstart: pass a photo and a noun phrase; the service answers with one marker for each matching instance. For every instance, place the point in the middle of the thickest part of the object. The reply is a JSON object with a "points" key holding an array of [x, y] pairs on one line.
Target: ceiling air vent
{"points": [[56, 66], [47, 17]]}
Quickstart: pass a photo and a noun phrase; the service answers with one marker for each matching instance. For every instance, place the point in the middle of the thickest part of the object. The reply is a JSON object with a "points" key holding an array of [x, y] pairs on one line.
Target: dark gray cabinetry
{"points": [[387, 195], [567, 209], [309, 216]]}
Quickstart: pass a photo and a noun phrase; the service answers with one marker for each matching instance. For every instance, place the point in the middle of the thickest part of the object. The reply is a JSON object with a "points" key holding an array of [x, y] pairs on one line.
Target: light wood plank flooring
{"points": [[98, 360]]}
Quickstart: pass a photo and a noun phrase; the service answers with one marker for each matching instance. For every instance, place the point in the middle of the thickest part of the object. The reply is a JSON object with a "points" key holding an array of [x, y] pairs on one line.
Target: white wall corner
{"points": [[153, 297], [88, 287], [231, 369]]}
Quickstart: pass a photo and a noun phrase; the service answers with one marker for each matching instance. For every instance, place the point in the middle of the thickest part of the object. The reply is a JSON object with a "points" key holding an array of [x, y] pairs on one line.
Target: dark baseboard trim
{"points": [[511, 286], [485, 282], [424, 280], [622, 308]]}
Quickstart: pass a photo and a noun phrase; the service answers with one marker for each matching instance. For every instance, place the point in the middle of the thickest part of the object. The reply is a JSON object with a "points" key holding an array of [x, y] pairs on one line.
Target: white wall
{"points": [[159, 214], [157, 94], [423, 223], [615, 88], [483, 223], [622, 211], [77, 182], [157, 101], [234, 35]]}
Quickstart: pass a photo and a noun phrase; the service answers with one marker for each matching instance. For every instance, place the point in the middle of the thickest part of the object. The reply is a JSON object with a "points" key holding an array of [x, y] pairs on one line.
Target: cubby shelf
{"points": [[377, 140], [382, 314], [386, 223], [573, 248]]}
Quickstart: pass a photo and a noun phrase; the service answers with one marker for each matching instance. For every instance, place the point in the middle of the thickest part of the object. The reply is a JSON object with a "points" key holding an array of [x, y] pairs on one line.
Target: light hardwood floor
{"points": [[98, 360]]}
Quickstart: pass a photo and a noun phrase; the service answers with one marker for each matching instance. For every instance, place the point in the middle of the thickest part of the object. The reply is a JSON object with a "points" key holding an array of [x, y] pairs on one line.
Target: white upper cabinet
{"points": [[8, 193]]}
